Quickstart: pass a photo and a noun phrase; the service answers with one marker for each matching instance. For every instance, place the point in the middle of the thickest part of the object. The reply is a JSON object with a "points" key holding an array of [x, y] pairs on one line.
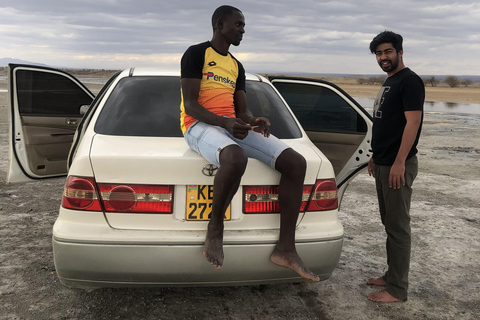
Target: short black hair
{"points": [[387, 37], [222, 13]]}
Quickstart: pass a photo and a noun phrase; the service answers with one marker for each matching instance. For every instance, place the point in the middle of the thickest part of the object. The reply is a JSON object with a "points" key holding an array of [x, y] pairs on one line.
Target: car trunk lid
{"points": [[152, 161]]}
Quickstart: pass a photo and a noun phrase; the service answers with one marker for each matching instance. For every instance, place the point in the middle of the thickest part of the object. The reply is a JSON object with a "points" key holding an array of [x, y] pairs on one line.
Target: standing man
{"points": [[397, 122], [217, 124]]}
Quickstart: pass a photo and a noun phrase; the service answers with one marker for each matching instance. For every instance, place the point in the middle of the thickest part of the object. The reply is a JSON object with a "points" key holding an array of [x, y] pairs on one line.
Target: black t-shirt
{"points": [[404, 91]]}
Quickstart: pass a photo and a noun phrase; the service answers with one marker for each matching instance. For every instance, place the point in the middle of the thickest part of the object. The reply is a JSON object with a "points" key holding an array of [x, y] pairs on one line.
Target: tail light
{"points": [[264, 199], [81, 194], [137, 198], [324, 196]]}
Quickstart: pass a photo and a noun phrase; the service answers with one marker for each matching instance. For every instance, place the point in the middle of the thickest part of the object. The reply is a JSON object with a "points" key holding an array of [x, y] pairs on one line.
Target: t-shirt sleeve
{"points": [[413, 94], [241, 78], [192, 63]]}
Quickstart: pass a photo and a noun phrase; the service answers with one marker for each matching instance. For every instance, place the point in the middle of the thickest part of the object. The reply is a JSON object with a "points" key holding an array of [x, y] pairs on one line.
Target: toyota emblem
{"points": [[209, 170]]}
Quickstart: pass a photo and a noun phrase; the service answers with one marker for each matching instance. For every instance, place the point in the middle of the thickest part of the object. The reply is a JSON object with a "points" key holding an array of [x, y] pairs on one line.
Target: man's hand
{"points": [[237, 127], [396, 179], [261, 125], [371, 168]]}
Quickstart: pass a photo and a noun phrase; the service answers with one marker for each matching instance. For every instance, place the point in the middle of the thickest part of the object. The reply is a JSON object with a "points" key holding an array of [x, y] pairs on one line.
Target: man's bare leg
{"points": [[233, 162], [292, 166], [377, 282], [382, 296]]}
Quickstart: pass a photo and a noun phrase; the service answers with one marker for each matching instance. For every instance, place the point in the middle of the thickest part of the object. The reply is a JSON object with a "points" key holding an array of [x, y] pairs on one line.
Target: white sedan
{"points": [[137, 199]]}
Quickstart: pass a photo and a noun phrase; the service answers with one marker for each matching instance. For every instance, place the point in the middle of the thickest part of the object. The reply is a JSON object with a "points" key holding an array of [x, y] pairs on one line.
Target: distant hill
{"points": [[5, 61]]}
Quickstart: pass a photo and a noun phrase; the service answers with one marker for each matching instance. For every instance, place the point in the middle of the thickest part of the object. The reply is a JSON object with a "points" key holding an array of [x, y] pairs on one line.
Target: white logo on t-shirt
{"points": [[377, 105]]}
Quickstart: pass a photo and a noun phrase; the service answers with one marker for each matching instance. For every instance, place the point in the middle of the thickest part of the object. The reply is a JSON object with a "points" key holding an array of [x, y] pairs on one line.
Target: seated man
{"points": [[217, 124]]}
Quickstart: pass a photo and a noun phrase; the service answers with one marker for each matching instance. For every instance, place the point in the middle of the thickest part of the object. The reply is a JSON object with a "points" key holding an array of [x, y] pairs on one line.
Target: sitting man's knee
{"points": [[233, 156], [291, 161]]}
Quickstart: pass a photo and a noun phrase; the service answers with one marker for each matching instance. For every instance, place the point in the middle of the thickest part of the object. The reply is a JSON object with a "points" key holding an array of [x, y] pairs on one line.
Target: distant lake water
{"points": [[93, 80], [431, 106]]}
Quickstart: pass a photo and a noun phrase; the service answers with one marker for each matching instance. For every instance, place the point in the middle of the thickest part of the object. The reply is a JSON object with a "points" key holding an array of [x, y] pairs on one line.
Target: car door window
{"points": [[320, 109], [49, 94]]}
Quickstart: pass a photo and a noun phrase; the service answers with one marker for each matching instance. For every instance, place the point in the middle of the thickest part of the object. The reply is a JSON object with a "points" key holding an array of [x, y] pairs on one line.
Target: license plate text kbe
{"points": [[199, 203]]}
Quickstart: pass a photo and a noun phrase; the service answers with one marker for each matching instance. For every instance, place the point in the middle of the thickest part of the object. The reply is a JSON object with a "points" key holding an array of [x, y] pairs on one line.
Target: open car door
{"points": [[333, 121], [45, 106]]}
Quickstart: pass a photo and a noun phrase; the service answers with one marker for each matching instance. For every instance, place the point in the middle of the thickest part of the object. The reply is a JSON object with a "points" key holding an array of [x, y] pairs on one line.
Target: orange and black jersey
{"points": [[221, 75]]}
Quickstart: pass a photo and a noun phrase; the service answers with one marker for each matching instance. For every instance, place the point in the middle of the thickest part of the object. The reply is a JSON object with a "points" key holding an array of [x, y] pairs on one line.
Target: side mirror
{"points": [[84, 108]]}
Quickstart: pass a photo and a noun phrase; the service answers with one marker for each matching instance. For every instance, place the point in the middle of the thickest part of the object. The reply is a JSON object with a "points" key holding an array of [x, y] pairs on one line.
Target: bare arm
{"points": [[191, 89], [397, 172]]}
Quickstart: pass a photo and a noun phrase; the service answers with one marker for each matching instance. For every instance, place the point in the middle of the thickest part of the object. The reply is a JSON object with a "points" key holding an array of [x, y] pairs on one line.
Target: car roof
{"points": [[146, 71]]}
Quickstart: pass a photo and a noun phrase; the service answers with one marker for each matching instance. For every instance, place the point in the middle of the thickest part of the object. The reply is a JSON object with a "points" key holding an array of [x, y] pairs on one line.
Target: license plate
{"points": [[199, 203]]}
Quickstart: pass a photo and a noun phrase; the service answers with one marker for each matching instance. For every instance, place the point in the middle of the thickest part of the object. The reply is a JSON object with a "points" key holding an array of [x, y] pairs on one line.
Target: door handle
{"points": [[72, 122]]}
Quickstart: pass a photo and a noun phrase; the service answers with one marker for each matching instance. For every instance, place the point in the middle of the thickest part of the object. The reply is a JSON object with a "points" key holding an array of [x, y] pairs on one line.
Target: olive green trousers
{"points": [[394, 205]]}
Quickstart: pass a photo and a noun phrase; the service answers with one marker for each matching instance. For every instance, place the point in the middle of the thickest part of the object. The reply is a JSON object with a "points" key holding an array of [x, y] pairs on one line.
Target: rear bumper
{"points": [[89, 253], [95, 265]]}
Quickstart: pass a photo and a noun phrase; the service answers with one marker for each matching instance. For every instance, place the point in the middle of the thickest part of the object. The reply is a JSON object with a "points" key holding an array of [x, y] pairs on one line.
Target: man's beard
{"points": [[390, 67]]}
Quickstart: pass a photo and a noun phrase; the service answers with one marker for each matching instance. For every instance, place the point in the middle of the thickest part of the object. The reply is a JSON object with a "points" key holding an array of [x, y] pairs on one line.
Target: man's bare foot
{"points": [[294, 262], [382, 296], [213, 249], [377, 282]]}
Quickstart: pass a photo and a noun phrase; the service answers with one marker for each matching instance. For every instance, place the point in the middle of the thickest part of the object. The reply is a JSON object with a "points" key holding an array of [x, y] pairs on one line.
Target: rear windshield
{"points": [[150, 106]]}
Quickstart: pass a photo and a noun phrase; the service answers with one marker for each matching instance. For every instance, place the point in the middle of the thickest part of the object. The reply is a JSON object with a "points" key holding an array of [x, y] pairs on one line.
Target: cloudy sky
{"points": [[440, 36]]}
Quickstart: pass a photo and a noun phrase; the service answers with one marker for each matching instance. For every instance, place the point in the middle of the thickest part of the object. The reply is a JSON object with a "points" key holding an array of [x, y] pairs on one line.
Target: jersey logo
{"points": [[212, 63], [214, 77]]}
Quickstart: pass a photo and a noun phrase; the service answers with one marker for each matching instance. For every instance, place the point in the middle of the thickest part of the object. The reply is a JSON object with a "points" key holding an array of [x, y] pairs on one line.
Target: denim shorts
{"points": [[210, 140]]}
